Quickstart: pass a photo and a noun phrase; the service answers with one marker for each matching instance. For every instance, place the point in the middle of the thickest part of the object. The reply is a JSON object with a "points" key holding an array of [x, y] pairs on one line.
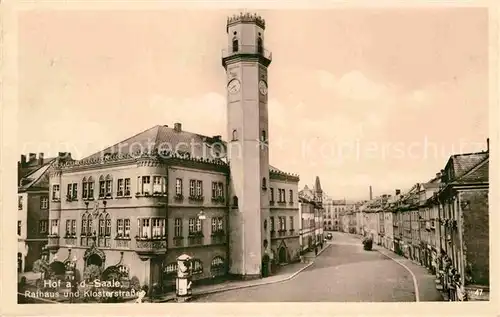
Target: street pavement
{"points": [[344, 272]]}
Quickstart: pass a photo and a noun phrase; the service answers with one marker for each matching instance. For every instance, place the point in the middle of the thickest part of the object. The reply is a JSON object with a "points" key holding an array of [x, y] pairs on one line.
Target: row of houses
{"points": [[441, 224]]}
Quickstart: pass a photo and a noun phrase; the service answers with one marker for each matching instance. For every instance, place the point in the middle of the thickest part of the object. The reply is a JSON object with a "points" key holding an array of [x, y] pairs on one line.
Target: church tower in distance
{"points": [[246, 61]]}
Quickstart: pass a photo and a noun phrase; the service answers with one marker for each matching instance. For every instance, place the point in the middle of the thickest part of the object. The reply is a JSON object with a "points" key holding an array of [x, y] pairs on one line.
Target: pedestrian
{"points": [[316, 251], [140, 296]]}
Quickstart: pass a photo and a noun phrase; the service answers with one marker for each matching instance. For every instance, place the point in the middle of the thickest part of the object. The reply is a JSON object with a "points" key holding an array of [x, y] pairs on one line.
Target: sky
{"points": [[358, 97]]}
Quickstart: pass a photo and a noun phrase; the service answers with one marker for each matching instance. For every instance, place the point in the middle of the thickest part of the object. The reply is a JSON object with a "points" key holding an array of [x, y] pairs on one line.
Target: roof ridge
{"points": [[471, 153]]}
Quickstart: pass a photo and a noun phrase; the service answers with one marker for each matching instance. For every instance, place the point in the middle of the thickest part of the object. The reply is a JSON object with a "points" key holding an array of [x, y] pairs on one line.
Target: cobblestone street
{"points": [[347, 274]]}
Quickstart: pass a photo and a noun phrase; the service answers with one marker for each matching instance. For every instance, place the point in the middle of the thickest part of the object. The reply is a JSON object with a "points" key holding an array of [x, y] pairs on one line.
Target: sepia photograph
{"points": [[252, 155]]}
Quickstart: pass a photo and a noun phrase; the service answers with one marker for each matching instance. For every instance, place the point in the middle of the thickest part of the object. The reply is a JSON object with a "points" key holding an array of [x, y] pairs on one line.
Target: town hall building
{"points": [[165, 192]]}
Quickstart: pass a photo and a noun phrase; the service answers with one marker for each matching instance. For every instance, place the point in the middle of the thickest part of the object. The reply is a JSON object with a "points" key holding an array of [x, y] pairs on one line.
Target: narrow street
{"points": [[342, 273]]}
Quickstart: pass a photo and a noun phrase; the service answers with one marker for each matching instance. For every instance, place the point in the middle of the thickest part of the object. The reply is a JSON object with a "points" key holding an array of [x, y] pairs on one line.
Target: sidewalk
{"points": [[285, 273], [426, 285]]}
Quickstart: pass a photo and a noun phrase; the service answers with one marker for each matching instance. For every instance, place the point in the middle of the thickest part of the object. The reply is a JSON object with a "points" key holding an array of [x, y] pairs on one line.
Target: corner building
{"points": [[138, 202]]}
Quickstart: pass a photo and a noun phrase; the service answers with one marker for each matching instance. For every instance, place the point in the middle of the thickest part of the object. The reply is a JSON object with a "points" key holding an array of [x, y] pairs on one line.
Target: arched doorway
{"points": [[57, 268], [19, 262], [94, 259], [282, 255]]}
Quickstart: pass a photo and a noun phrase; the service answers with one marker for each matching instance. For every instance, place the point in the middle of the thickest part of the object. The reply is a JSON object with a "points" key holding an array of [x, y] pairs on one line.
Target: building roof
{"points": [[37, 178], [317, 185], [463, 163], [164, 140], [161, 138], [477, 174]]}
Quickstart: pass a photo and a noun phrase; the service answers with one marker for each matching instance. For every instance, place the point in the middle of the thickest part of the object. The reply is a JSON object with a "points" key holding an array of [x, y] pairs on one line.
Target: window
{"points": [[235, 201], [144, 228], [235, 135], [107, 231], [119, 228], [102, 187], [194, 225], [123, 185], [159, 185], [197, 266], [120, 187], [192, 184], [263, 136], [44, 226], [282, 223], [217, 224], [54, 227], [86, 225], [88, 188], [178, 227], [291, 222], [272, 223], [19, 228], [158, 226], [217, 266], [56, 195], [145, 185], [214, 190], [72, 193], [291, 196], [199, 188], [235, 45], [109, 182], [90, 184], [170, 269], [264, 183], [178, 186], [70, 228], [271, 195], [127, 187], [127, 228], [19, 202]]}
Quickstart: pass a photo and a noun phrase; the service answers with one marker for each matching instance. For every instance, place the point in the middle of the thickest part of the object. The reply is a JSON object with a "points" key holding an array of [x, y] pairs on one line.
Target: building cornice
{"points": [[150, 159]]}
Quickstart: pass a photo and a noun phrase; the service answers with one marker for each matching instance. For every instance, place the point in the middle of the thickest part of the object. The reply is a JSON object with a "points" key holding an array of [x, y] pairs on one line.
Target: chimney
{"points": [[40, 158], [398, 192], [32, 157], [488, 145], [177, 127], [438, 175], [371, 193], [23, 160], [64, 155]]}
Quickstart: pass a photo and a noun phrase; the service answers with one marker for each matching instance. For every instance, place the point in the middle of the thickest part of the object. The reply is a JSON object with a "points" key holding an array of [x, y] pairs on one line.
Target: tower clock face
{"points": [[263, 87], [234, 86]]}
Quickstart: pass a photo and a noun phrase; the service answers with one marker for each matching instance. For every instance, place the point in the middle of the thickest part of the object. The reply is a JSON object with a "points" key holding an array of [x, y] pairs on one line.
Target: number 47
{"points": [[478, 292]]}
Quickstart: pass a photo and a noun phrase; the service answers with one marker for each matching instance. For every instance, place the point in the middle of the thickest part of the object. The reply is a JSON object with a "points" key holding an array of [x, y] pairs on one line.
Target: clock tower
{"points": [[246, 61]]}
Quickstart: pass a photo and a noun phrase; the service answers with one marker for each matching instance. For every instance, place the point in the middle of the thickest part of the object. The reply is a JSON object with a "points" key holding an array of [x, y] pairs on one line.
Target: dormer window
{"points": [[235, 44]]}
